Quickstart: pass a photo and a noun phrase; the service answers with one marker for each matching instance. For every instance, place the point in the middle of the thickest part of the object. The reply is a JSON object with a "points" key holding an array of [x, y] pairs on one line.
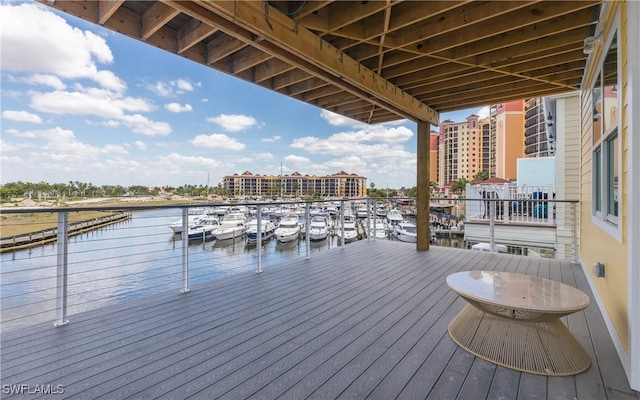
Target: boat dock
{"points": [[32, 239]]}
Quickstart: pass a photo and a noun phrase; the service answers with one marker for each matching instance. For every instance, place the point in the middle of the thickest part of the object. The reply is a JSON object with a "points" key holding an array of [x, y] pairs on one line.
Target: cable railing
{"points": [[139, 256]]}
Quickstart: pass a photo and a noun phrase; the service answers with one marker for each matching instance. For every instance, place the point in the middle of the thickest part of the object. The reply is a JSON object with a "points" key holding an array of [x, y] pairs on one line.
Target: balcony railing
{"points": [[139, 256]]}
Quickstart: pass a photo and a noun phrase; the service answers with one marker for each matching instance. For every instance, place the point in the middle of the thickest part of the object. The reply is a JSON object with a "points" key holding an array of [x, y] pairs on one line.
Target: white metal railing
{"points": [[139, 255], [522, 204]]}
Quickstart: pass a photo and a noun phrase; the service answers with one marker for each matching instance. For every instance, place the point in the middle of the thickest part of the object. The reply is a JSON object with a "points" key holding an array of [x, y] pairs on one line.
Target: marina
{"points": [[142, 256]]}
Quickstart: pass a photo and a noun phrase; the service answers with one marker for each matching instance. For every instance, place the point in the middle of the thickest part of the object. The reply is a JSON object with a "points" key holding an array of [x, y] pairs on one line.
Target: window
{"points": [[606, 143]]}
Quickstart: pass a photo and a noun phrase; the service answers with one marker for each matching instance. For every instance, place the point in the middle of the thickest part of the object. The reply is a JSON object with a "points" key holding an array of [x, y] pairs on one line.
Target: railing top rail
{"points": [[24, 210]]}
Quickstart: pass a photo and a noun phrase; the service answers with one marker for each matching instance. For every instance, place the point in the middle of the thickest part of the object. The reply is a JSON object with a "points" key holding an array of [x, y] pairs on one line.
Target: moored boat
{"points": [[405, 231], [231, 226], [267, 230], [203, 228], [289, 228], [319, 227]]}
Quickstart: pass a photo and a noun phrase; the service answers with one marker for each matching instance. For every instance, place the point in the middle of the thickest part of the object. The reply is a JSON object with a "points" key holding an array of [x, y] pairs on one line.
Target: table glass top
{"points": [[517, 291]]}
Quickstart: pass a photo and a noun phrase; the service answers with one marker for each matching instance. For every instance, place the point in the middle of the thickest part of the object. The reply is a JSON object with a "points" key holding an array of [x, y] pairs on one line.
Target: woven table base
{"points": [[543, 348]]}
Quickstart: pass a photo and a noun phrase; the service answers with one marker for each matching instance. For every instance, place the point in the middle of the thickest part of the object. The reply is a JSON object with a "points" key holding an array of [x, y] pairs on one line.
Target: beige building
{"points": [[459, 150], [341, 184]]}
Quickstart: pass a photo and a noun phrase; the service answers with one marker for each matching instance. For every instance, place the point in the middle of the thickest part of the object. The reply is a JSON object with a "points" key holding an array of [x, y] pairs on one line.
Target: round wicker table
{"points": [[513, 320]]}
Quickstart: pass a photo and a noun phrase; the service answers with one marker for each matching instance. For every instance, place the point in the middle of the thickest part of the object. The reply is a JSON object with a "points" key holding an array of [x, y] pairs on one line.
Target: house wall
{"points": [[597, 242], [567, 172]]}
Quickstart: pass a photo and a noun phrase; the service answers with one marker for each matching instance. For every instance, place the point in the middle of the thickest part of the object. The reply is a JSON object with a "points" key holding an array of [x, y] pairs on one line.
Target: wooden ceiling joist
{"points": [[309, 52], [374, 61]]}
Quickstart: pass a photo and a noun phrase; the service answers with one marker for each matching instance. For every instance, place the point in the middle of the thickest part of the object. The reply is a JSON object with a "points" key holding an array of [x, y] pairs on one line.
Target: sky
{"points": [[83, 103]]}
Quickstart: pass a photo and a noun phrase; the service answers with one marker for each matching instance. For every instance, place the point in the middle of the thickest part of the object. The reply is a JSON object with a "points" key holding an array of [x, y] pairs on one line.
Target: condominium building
{"points": [[492, 144], [459, 150], [341, 184], [537, 118], [433, 156]]}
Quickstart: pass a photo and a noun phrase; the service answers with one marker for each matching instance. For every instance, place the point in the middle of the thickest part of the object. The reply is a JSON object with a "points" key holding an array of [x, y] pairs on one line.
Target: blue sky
{"points": [[82, 103]]}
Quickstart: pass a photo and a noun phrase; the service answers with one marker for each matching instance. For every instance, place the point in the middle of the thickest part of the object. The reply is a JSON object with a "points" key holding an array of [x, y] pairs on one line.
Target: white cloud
{"points": [[144, 126], [297, 161], [272, 139], [483, 112], [50, 45], [233, 122], [339, 120], [370, 142], [198, 162], [89, 101], [263, 156], [177, 108], [184, 85], [46, 80], [9, 147], [172, 88], [140, 145], [21, 116], [217, 141], [114, 148], [75, 103]]}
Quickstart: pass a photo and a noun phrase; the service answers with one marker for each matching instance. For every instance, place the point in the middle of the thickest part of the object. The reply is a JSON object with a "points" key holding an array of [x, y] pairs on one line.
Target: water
{"points": [[129, 260], [126, 261]]}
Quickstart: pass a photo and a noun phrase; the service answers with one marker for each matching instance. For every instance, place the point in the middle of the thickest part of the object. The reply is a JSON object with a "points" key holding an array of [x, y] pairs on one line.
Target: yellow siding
{"points": [[596, 244]]}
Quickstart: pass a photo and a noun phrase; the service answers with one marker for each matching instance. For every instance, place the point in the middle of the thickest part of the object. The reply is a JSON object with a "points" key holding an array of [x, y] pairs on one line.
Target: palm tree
{"points": [[459, 185]]}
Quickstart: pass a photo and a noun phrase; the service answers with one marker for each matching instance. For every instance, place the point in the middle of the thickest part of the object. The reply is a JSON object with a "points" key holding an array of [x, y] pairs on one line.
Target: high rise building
{"points": [[492, 144], [459, 150], [537, 116]]}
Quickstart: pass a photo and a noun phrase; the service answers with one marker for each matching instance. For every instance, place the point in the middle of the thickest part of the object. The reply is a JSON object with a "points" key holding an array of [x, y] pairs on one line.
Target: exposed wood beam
{"points": [[306, 85], [246, 20], [191, 33], [310, 7], [289, 79], [271, 68], [155, 18], [106, 8], [223, 46], [246, 58]]}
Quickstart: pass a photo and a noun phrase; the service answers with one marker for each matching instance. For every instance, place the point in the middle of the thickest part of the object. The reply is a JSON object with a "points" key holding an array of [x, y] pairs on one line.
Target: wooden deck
{"points": [[366, 321]]}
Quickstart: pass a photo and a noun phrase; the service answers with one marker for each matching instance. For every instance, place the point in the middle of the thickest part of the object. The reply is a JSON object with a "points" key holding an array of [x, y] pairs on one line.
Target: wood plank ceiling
{"points": [[374, 61]]}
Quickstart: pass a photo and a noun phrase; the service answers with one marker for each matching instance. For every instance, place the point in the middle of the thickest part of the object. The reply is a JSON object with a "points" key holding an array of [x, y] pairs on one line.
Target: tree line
{"points": [[73, 189]]}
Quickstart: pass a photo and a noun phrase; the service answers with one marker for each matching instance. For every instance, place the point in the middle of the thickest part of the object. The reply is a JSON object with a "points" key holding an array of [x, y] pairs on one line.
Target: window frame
{"points": [[602, 151]]}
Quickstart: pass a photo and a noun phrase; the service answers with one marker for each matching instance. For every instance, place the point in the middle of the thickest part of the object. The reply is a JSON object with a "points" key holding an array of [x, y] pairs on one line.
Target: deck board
{"points": [[365, 321]]}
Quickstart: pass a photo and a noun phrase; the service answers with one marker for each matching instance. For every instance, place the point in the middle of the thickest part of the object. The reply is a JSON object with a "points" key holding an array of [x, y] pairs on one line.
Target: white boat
{"points": [[231, 226], [405, 231], [394, 216], [377, 230], [362, 211], [381, 211], [266, 232], [350, 230], [499, 248], [203, 228], [192, 219], [289, 228], [319, 227]]}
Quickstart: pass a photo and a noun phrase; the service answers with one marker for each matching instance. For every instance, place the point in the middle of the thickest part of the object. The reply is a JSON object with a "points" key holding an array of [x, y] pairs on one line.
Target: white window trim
{"points": [[600, 219], [633, 225]]}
